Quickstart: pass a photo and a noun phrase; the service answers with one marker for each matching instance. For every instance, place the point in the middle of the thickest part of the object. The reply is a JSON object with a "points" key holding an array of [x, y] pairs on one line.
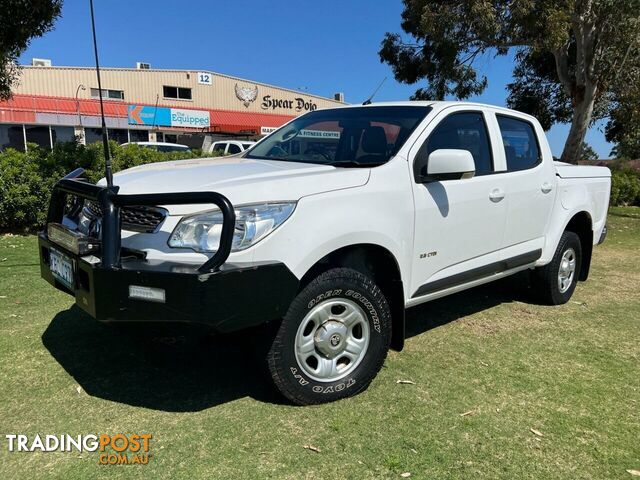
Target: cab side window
{"points": [[520, 143], [464, 131], [233, 148]]}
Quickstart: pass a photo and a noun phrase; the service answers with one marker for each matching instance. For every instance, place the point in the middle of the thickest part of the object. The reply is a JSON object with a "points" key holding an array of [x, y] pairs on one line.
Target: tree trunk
{"points": [[582, 113]]}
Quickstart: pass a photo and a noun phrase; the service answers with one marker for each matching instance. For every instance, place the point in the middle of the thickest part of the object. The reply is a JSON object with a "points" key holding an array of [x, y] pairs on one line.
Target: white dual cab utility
{"points": [[330, 227], [231, 147]]}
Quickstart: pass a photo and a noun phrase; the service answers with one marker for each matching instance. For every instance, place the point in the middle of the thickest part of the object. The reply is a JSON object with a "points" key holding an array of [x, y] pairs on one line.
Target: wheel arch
{"points": [[582, 225], [378, 263]]}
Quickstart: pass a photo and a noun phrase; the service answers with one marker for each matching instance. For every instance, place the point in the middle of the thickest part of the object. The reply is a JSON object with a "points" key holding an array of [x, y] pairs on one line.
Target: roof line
{"points": [[185, 70]]}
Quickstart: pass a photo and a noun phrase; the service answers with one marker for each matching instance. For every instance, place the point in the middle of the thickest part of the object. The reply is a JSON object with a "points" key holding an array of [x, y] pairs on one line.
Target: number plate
{"points": [[62, 268]]}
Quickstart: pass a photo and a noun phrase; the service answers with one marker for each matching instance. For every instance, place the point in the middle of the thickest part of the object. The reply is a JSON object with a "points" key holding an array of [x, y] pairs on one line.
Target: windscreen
{"points": [[343, 137]]}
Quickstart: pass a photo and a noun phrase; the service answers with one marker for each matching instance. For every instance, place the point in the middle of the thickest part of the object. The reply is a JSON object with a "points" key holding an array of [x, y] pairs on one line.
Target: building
{"points": [[52, 104]]}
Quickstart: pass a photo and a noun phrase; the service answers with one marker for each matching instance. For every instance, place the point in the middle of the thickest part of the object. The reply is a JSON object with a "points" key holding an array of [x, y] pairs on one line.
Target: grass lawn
{"points": [[488, 366]]}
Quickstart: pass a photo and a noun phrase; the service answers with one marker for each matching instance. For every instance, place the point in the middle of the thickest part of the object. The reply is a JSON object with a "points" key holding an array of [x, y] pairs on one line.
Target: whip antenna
{"points": [[368, 100], [105, 139]]}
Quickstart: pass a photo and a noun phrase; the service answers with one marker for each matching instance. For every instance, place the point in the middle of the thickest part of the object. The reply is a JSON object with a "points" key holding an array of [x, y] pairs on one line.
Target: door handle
{"points": [[546, 187], [496, 195]]}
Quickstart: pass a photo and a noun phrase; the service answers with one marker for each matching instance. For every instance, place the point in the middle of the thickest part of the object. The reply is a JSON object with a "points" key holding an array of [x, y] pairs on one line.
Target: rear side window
{"points": [[464, 131], [520, 143], [219, 147], [233, 148]]}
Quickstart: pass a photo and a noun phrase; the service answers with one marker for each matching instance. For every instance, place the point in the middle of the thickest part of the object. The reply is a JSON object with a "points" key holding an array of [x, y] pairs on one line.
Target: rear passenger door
{"points": [[529, 187]]}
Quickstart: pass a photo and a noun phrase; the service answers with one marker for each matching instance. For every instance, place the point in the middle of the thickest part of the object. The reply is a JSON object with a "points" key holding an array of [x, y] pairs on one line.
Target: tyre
{"points": [[555, 282], [333, 340]]}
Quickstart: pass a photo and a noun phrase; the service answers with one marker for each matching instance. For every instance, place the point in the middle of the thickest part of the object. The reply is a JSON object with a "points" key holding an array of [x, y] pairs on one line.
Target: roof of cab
{"points": [[439, 104]]}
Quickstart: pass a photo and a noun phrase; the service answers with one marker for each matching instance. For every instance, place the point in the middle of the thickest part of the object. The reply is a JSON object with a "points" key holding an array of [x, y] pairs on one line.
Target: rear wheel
{"points": [[333, 340], [555, 282]]}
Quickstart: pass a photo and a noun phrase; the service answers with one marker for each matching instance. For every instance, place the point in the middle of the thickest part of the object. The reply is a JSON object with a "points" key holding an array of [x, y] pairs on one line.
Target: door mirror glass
{"points": [[449, 164]]}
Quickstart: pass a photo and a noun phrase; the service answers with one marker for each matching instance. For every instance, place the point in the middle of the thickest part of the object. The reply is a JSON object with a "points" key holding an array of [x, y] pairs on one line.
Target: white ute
{"points": [[344, 217]]}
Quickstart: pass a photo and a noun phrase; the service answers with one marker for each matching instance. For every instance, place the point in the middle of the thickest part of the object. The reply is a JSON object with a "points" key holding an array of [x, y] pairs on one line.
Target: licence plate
{"points": [[62, 267]]}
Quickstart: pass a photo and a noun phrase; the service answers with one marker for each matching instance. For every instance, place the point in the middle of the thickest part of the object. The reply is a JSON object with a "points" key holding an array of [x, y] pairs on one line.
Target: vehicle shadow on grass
{"points": [[427, 316], [179, 368], [174, 368]]}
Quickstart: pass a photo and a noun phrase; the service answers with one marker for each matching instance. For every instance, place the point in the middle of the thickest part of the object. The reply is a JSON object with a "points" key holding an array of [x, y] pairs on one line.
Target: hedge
{"points": [[27, 178], [625, 188]]}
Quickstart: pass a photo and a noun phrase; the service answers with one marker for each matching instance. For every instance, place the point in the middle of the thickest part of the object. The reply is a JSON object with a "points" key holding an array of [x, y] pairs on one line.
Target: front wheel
{"points": [[333, 340], [555, 282]]}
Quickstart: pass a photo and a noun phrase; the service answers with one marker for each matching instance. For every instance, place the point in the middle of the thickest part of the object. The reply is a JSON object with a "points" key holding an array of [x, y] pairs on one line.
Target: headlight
{"points": [[201, 232], [90, 220]]}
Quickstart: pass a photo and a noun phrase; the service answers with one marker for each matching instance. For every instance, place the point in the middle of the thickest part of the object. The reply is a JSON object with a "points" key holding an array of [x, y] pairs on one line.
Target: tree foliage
{"points": [[623, 128], [588, 153], [570, 54], [20, 21]]}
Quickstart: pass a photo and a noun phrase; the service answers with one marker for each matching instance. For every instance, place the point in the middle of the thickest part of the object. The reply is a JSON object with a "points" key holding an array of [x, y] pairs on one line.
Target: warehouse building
{"points": [[52, 104]]}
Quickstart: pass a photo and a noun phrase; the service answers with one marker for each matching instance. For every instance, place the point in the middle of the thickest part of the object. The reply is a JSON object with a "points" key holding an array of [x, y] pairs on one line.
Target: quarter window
{"points": [[464, 131], [180, 93], [520, 143]]}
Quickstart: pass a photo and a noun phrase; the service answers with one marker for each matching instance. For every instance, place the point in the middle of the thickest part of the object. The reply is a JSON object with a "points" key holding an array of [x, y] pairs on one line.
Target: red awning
{"points": [[227, 120], [24, 107]]}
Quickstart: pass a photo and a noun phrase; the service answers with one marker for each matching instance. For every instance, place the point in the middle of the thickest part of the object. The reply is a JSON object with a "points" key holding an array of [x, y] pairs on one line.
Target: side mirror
{"points": [[448, 164]]}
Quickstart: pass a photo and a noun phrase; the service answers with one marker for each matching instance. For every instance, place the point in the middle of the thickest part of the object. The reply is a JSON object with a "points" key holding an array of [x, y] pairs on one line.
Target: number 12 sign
{"points": [[205, 78]]}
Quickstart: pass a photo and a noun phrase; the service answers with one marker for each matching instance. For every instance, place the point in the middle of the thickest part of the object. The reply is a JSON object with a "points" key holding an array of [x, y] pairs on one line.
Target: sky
{"points": [[320, 47]]}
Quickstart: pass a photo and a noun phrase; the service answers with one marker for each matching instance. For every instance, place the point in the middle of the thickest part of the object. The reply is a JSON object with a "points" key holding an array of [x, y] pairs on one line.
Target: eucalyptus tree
{"points": [[570, 55]]}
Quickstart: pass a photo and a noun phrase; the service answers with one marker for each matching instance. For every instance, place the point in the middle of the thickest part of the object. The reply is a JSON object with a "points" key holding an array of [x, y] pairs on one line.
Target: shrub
{"points": [[27, 179], [24, 193], [625, 188]]}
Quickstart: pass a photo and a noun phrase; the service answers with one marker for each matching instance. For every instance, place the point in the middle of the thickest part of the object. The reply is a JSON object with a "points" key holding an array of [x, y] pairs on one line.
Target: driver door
{"points": [[459, 224]]}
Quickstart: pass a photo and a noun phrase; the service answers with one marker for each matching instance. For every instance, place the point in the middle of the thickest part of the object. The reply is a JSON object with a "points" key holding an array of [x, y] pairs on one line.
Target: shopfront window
{"points": [[138, 135], [92, 135], [11, 136], [62, 134], [118, 135], [39, 135]]}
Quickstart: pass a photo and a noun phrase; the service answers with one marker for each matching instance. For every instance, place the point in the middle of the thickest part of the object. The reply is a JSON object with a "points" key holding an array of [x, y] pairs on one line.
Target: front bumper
{"points": [[224, 295], [234, 297]]}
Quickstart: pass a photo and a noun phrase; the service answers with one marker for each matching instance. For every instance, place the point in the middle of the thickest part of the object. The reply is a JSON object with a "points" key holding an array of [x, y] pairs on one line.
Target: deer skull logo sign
{"points": [[246, 95]]}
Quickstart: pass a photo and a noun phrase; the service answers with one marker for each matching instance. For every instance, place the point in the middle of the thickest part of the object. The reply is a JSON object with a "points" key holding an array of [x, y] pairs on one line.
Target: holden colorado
{"points": [[330, 228]]}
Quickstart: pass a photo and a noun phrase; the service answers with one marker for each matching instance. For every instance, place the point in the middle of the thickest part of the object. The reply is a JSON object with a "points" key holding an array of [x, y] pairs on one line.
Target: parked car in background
{"points": [[231, 147], [161, 146]]}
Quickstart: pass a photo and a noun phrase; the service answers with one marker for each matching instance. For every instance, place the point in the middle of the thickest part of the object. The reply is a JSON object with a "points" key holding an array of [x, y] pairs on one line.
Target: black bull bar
{"points": [[110, 203]]}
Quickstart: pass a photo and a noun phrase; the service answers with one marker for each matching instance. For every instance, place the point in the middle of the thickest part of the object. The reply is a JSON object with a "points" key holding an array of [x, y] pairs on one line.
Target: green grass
{"points": [[570, 372]]}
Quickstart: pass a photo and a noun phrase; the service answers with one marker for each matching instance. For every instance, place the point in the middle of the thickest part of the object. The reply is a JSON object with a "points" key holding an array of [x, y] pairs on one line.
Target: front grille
{"points": [[142, 219], [136, 218]]}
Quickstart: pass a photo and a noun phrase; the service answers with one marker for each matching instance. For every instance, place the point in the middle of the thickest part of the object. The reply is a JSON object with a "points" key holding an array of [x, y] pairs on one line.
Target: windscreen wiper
{"points": [[354, 163]]}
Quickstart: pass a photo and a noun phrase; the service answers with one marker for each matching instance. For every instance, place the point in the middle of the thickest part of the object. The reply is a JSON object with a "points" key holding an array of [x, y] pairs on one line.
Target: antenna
{"points": [[368, 100], [105, 139]]}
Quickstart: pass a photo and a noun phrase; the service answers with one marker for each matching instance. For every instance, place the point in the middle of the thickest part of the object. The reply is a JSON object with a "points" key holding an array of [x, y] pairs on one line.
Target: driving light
{"points": [[202, 232], [72, 240]]}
